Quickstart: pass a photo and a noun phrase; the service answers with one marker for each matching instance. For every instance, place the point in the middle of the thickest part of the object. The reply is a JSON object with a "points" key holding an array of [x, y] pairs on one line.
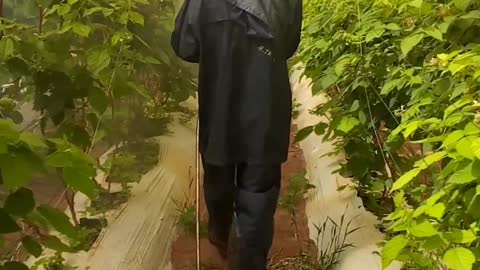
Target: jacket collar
{"points": [[258, 8]]}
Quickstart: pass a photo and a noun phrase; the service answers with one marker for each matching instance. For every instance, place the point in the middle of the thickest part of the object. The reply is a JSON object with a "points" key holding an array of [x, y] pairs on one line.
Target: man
{"points": [[245, 106]]}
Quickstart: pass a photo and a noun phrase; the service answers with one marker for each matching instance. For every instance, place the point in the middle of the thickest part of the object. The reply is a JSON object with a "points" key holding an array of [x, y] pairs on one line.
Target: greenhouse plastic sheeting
{"points": [[140, 233], [332, 197]]}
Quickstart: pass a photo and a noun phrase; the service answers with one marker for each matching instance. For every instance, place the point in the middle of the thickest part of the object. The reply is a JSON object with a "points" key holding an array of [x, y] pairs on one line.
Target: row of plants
{"points": [[97, 73], [403, 77]]}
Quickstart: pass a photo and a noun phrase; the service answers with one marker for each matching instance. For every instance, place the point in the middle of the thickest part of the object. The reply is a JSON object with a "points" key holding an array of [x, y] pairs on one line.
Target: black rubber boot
{"points": [[233, 245], [255, 215], [219, 240], [219, 192], [219, 224]]}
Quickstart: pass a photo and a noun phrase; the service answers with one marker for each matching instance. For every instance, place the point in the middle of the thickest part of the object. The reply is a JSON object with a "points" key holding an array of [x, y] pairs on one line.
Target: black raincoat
{"points": [[245, 99]]}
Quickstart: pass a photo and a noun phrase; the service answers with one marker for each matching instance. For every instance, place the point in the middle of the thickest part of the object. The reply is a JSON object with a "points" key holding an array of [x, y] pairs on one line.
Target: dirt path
{"points": [[290, 240]]}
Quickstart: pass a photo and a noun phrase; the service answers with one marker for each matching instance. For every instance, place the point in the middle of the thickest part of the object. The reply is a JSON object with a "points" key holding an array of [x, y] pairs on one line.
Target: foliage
{"points": [[106, 201], [52, 263], [128, 163], [298, 186], [403, 81], [122, 170], [187, 218], [146, 153], [332, 241], [88, 67]]}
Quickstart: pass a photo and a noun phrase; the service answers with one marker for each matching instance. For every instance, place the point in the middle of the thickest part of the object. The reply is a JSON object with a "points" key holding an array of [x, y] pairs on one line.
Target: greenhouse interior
{"points": [[117, 117]]}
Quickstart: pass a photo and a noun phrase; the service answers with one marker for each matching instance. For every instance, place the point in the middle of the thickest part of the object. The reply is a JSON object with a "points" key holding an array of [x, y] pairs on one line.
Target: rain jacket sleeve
{"points": [[185, 37], [295, 32]]}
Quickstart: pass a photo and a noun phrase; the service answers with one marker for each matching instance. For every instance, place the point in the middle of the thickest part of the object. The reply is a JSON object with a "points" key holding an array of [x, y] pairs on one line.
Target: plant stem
{"points": [[71, 206]]}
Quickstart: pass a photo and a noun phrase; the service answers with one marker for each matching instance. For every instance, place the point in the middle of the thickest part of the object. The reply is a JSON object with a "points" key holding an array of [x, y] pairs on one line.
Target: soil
{"points": [[287, 244]]}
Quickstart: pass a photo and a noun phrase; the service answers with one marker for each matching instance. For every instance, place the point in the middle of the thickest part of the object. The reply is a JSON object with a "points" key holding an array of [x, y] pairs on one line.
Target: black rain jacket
{"points": [[245, 99]]}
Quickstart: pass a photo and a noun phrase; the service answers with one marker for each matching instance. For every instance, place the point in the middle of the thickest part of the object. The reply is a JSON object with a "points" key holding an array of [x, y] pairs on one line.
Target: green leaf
{"points": [[98, 60], [355, 106], [416, 3], [58, 220], [59, 160], [430, 140], [374, 33], [137, 18], [430, 159], [32, 140], [63, 9], [303, 134], [8, 132], [17, 169], [411, 127], [81, 29], [362, 117], [434, 243], [20, 203], [451, 141], [410, 42], [54, 243], [6, 48], [472, 129], [393, 27], [116, 38], [15, 266], [476, 148], [80, 179], [434, 32], [32, 246], [436, 197], [405, 179], [389, 86], [460, 237], [464, 147], [456, 106], [437, 211], [341, 64], [347, 123], [392, 249], [317, 86], [424, 229], [465, 175], [462, 4], [420, 210], [94, 10], [459, 90], [321, 128], [328, 80], [98, 100], [459, 259], [473, 201], [7, 223]]}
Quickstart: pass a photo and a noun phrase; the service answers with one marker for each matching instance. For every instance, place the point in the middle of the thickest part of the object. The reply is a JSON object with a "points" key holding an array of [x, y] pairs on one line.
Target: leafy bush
{"points": [[298, 187], [81, 64], [122, 170], [403, 81]]}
